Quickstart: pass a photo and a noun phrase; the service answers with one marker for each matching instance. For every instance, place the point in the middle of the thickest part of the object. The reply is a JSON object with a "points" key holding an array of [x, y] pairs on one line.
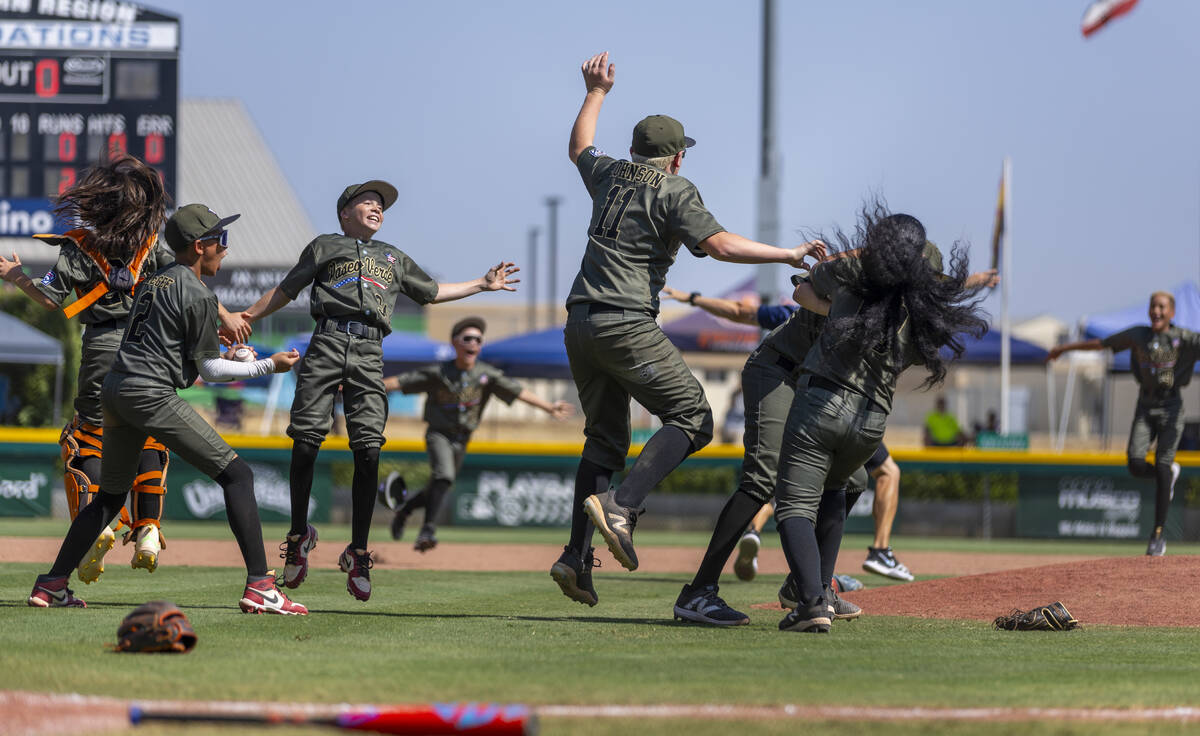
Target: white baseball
{"points": [[246, 355]]}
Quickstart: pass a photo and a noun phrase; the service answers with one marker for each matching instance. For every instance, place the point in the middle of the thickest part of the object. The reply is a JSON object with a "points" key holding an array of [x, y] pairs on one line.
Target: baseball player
{"points": [[171, 339], [119, 207], [890, 307], [456, 393], [1162, 357], [355, 281], [642, 212]]}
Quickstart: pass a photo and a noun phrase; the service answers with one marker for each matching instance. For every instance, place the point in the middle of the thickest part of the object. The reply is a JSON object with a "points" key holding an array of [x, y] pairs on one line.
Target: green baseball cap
{"points": [[192, 222], [382, 188], [659, 135], [933, 255]]}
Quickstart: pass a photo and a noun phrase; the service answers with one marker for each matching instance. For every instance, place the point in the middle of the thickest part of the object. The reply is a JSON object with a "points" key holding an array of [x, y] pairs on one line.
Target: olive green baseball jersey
{"points": [[640, 217], [1161, 362], [76, 272], [795, 337], [866, 370], [351, 279], [172, 325], [455, 398]]}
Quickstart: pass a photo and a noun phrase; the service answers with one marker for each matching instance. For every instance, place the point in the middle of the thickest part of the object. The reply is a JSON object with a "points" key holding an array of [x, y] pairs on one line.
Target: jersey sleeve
{"points": [[770, 316], [414, 282], [1123, 340], [503, 387], [60, 280], [593, 164], [828, 276], [302, 274], [690, 222], [200, 329], [415, 382], [160, 257]]}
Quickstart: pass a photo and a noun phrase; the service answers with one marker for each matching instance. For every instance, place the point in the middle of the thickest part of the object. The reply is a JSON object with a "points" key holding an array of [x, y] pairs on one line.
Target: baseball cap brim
{"points": [[382, 188], [222, 224], [688, 141]]}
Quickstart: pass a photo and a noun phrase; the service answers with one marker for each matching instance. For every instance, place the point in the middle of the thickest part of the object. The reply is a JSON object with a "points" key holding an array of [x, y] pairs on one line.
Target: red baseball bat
{"points": [[480, 719]]}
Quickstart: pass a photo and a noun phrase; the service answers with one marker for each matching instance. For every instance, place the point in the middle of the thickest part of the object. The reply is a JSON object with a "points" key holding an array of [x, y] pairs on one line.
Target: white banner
{"points": [[74, 36]]}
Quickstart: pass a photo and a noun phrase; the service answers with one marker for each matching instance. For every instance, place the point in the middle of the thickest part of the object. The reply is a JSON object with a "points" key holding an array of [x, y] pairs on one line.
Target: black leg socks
{"points": [[436, 494], [88, 524], [831, 522], [300, 477], [737, 514], [803, 557], [589, 478], [362, 495], [666, 449], [1162, 495], [237, 480]]}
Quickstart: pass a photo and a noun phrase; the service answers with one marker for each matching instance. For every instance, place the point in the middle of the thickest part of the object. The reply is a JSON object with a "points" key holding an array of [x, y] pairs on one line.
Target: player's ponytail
{"points": [[122, 202]]}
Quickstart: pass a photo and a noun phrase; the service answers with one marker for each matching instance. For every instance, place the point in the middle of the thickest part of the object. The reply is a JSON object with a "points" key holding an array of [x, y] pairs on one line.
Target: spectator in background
{"points": [[941, 427], [735, 419], [992, 426]]}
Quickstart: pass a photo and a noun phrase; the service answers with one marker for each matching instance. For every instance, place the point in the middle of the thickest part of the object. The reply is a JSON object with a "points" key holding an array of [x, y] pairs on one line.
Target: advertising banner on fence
{"points": [[1090, 506], [514, 497], [193, 495], [25, 488]]}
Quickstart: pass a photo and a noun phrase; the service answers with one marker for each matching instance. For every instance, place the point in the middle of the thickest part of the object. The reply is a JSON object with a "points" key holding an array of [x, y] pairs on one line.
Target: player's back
{"points": [[640, 216]]}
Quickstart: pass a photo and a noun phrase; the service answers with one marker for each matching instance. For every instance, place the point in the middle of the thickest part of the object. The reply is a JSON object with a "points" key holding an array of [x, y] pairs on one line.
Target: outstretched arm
{"points": [[498, 278], [1057, 350], [267, 303], [234, 327], [12, 272], [598, 77], [982, 279], [733, 248], [558, 410], [727, 308]]}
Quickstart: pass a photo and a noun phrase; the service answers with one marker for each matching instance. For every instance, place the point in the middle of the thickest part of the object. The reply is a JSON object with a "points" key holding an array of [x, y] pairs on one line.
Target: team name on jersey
{"points": [[638, 173], [161, 281], [367, 266]]}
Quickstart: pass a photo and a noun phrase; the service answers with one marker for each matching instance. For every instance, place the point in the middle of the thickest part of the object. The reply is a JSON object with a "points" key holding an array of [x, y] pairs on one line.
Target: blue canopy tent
{"points": [[986, 350], [540, 354]]}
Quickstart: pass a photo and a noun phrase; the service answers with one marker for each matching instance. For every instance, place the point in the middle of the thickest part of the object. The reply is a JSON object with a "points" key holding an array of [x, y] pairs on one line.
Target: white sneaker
{"points": [[93, 563], [1175, 470], [746, 564], [146, 548]]}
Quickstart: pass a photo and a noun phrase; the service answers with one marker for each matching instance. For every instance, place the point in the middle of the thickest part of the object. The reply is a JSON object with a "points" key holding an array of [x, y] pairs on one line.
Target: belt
{"points": [[590, 308], [825, 384], [785, 363], [350, 327], [110, 324]]}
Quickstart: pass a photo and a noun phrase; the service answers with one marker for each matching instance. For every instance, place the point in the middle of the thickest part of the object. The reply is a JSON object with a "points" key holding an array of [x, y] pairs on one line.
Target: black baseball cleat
{"points": [[1157, 546], [426, 539], [840, 608], [814, 619], [789, 595], [615, 523], [393, 491], [704, 606], [574, 575]]}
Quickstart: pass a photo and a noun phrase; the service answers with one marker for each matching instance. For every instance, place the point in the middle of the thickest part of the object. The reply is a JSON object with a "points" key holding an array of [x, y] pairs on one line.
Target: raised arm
{"points": [[727, 308], [266, 304], [12, 272], [598, 77], [733, 248], [559, 410], [498, 278], [982, 280], [1057, 350]]}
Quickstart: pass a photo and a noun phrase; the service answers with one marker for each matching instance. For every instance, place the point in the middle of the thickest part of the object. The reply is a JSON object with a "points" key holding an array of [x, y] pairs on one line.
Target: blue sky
{"points": [[466, 107]]}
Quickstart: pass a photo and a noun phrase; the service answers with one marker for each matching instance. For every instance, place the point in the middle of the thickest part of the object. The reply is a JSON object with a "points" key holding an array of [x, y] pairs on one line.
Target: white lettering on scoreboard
{"points": [[72, 36]]}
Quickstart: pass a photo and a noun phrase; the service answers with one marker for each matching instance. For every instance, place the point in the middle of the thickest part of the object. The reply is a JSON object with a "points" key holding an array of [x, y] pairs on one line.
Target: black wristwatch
{"points": [[692, 298]]}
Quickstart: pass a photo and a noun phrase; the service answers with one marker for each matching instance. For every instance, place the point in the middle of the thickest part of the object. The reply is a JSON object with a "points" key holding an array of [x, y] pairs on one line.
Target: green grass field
{"points": [[512, 637]]}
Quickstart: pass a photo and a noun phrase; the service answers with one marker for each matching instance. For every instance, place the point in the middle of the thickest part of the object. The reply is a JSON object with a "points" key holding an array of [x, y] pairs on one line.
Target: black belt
{"points": [[599, 308], [350, 327], [118, 323], [833, 388]]}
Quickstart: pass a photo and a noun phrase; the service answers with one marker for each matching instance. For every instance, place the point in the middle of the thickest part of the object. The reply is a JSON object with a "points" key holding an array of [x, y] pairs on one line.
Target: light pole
{"points": [[530, 277], [552, 269]]}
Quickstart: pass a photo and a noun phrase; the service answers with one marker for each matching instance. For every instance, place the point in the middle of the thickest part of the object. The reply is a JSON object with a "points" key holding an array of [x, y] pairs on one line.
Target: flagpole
{"points": [[1005, 282]]}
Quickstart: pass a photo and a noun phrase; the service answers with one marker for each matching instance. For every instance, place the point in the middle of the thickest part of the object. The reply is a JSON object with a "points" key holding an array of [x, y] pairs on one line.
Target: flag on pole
{"points": [[998, 229], [1100, 12]]}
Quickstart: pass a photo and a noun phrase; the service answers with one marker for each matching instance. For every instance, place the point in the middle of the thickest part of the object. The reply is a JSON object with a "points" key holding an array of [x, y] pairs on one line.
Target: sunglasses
{"points": [[221, 239], [471, 338]]}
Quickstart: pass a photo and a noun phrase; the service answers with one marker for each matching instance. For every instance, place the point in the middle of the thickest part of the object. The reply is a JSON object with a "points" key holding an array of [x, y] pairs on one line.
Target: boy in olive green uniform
{"points": [[171, 340], [456, 393], [642, 213], [1162, 359], [355, 281]]}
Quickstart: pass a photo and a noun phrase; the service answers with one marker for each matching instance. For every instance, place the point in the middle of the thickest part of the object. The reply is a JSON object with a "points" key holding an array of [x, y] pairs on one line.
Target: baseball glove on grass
{"points": [[1054, 617], [157, 626]]}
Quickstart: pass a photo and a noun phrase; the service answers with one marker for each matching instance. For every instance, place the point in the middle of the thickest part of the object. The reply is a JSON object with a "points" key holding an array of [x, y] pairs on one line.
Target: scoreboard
{"points": [[80, 81]]}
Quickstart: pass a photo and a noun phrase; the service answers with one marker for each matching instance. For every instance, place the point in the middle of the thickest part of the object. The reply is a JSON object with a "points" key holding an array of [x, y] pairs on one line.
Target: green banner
{"points": [[496, 496], [25, 487], [1098, 505], [193, 495]]}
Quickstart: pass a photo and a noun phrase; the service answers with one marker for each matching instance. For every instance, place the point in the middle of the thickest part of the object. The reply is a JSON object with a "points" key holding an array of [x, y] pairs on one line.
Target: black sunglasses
{"points": [[472, 338], [222, 238]]}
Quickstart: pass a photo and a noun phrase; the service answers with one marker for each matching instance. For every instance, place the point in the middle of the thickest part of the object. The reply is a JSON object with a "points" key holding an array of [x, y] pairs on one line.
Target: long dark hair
{"points": [[122, 202], [900, 285]]}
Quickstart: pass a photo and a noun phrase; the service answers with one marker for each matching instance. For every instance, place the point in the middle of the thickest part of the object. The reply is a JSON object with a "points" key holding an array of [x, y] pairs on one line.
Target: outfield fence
{"points": [[983, 493]]}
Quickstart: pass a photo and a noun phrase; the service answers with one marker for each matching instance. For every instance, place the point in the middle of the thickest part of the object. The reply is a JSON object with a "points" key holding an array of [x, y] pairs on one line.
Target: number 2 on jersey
{"points": [[141, 310], [625, 195]]}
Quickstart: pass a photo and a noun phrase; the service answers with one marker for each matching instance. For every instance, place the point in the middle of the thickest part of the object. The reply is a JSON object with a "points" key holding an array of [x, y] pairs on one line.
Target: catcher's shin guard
{"points": [[81, 445], [147, 506]]}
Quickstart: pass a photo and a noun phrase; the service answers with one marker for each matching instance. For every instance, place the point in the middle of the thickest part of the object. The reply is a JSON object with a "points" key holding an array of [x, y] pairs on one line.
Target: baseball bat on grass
{"points": [[480, 719]]}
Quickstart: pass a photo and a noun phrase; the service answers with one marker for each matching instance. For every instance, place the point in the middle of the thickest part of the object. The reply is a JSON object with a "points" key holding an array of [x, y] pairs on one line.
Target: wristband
{"points": [[692, 298]]}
